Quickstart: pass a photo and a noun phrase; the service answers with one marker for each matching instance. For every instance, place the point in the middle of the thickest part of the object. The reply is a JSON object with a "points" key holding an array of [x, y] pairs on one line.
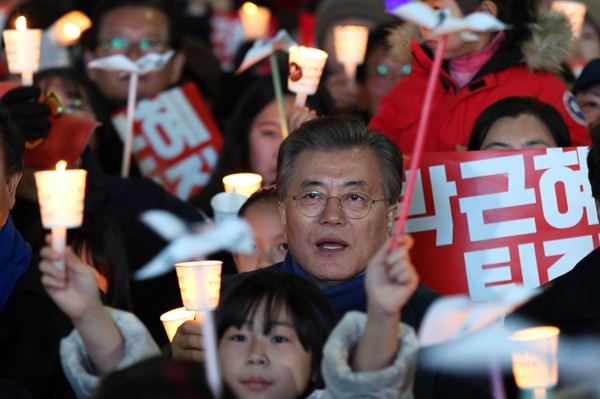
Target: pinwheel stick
{"points": [[420, 141], [279, 94], [213, 376], [131, 98]]}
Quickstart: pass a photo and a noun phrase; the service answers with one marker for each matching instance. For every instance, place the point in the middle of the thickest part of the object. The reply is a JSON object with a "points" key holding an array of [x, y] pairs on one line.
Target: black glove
{"points": [[26, 112]]}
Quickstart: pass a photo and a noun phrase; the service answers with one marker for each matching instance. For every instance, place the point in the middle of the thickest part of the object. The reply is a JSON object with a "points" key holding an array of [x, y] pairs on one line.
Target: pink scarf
{"points": [[464, 68]]}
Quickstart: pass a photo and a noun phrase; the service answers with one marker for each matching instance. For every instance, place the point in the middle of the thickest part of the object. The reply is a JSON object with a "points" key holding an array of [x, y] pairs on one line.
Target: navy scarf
{"points": [[350, 295], [15, 257]]}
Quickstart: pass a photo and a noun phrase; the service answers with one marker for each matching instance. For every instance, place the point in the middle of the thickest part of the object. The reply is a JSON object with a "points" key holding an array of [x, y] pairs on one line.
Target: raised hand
{"points": [[74, 289], [188, 342], [391, 278]]}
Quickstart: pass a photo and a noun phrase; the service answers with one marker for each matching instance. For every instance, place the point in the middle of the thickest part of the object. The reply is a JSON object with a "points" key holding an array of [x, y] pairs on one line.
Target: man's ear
{"points": [[488, 6], [390, 217], [178, 62], [13, 182], [282, 219]]}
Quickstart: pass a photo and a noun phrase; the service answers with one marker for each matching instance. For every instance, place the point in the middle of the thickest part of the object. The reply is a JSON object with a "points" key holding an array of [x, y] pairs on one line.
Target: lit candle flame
{"points": [[71, 30], [21, 24], [250, 8], [61, 166]]}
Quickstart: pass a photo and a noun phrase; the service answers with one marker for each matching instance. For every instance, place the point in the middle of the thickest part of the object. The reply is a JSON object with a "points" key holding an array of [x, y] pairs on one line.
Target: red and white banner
{"points": [[176, 141], [484, 221]]}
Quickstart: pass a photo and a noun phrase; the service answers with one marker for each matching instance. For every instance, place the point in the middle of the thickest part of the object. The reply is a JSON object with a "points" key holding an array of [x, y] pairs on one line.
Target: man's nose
{"points": [[333, 212]]}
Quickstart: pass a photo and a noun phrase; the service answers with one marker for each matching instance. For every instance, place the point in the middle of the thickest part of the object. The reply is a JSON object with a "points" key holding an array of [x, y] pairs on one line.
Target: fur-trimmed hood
{"points": [[550, 42]]}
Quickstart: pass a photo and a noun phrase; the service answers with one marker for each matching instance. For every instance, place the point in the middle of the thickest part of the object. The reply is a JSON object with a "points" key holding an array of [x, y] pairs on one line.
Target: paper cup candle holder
{"points": [[242, 183], [255, 21], [535, 364], [350, 47], [306, 67], [174, 318], [23, 50], [61, 195]]}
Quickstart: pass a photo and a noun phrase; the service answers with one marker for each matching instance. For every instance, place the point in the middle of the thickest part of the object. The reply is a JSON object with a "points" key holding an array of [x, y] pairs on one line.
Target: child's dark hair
{"points": [[264, 195], [309, 309], [100, 239]]}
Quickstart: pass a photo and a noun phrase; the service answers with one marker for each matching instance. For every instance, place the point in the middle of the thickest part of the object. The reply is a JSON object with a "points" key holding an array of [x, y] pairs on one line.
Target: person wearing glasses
{"points": [[338, 184], [132, 28]]}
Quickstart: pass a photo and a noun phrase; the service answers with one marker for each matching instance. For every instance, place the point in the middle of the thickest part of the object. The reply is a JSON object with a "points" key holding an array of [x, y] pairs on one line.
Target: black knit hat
{"points": [[589, 76]]}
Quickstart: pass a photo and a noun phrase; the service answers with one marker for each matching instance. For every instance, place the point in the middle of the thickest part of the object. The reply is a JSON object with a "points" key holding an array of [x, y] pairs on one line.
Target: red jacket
{"points": [[454, 110]]}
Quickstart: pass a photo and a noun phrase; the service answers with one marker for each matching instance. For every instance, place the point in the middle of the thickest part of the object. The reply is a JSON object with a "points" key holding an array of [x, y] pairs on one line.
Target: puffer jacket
{"points": [[528, 70]]}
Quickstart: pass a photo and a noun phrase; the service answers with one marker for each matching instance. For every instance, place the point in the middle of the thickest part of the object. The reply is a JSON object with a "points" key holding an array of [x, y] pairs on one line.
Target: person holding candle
{"points": [[31, 325], [339, 184], [331, 13], [522, 61], [253, 138]]}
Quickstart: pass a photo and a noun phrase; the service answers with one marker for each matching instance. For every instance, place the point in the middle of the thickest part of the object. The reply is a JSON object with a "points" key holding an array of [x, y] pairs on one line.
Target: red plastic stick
{"points": [[420, 141]]}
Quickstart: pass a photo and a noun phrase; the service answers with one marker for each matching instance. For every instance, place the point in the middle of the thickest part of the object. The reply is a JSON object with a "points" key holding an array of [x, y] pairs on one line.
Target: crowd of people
{"points": [[321, 307]]}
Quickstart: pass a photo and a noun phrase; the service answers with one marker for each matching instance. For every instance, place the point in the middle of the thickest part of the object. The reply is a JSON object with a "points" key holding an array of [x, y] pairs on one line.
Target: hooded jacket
{"points": [[529, 69]]}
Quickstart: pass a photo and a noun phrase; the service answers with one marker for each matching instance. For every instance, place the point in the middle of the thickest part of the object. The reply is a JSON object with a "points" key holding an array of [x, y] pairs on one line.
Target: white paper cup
{"points": [[199, 283], [243, 183], [350, 43], [306, 67], [22, 49], [226, 206], [61, 195], [535, 363], [174, 318], [255, 21]]}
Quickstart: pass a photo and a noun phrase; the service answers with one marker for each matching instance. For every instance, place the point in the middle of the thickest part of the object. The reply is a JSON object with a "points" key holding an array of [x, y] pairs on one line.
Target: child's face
{"points": [[455, 47], [263, 217], [256, 365]]}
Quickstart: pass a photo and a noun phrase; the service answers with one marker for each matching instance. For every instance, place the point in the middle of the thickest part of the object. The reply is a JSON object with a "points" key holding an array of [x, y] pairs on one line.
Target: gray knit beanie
{"points": [[330, 11]]}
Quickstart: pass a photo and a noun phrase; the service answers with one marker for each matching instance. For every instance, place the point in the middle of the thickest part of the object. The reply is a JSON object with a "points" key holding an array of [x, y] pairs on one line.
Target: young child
{"points": [[271, 330], [261, 211], [521, 61]]}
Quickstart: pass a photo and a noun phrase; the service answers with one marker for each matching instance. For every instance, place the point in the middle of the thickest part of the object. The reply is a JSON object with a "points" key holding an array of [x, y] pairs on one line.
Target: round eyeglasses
{"points": [[118, 45], [353, 205]]}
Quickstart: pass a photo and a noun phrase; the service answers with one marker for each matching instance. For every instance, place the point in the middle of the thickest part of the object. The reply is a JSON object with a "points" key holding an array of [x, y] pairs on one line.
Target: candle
{"points": [[306, 68], [23, 50], [575, 13], [67, 29], [60, 195], [534, 359], [174, 318], [350, 47], [255, 21], [242, 183]]}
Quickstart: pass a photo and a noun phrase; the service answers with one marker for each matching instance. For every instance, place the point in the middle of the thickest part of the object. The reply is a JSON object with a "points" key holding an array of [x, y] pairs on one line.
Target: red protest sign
{"points": [[484, 221], [176, 141]]}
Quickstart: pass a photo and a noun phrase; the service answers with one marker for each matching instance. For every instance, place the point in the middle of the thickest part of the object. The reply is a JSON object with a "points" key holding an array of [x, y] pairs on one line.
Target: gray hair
{"points": [[339, 133]]}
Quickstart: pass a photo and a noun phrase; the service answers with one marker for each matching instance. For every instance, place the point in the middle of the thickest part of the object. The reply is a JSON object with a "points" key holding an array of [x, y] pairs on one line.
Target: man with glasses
{"points": [[339, 184], [133, 28]]}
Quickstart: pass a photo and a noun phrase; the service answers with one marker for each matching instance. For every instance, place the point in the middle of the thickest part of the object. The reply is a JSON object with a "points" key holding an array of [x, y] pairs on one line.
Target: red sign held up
{"points": [[484, 221]]}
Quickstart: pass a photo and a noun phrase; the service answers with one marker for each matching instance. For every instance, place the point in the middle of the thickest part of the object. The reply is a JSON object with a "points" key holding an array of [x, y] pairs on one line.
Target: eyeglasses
{"points": [[118, 45], [384, 70], [353, 205]]}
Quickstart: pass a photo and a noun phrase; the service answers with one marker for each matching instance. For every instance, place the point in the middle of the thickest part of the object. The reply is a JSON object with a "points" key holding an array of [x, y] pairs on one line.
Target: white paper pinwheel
{"points": [[454, 328], [119, 62], [441, 22], [192, 241], [453, 317], [264, 48]]}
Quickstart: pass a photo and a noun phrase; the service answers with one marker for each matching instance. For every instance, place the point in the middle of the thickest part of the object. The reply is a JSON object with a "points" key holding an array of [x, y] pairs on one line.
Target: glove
{"points": [[26, 112]]}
